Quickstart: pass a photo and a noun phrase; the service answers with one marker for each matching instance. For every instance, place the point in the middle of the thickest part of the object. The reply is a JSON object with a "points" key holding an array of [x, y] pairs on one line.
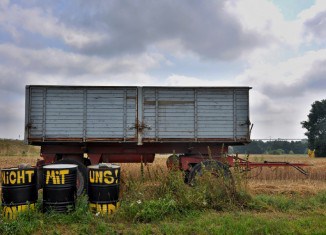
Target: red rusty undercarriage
{"points": [[191, 154], [186, 162], [188, 155], [94, 153]]}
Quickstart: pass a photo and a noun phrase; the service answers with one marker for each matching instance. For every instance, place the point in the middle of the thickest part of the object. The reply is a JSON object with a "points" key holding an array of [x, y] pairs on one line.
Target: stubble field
{"points": [[281, 180]]}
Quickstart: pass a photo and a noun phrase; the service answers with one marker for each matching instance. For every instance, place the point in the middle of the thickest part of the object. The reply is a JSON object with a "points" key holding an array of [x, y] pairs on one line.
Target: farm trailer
{"points": [[88, 125]]}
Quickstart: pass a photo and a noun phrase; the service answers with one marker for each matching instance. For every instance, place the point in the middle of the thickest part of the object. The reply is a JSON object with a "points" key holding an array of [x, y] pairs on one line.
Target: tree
{"points": [[260, 147], [316, 128]]}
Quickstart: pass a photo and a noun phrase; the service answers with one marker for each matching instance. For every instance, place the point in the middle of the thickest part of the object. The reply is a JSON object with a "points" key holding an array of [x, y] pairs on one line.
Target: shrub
{"points": [[161, 193]]}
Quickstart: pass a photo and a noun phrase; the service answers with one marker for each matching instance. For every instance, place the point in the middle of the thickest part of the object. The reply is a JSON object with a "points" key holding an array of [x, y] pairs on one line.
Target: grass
{"points": [[265, 215], [156, 201]]}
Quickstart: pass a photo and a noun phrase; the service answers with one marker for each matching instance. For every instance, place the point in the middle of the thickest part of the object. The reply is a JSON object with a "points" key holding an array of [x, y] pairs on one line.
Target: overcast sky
{"points": [[276, 46]]}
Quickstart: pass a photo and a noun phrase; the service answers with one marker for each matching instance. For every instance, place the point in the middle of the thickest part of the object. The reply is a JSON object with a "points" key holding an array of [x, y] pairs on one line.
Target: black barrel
{"points": [[19, 190], [103, 188], [59, 187]]}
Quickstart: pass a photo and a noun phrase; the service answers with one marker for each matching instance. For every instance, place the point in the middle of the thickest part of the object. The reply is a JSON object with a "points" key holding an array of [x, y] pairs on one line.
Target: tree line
{"points": [[276, 147], [316, 128]]}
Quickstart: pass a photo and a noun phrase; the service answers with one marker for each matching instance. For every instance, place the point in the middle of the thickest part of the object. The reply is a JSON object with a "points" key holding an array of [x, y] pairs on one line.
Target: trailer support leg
{"points": [[94, 158]]}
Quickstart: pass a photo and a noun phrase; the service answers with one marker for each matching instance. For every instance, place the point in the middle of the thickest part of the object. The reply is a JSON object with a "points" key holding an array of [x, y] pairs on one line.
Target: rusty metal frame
{"points": [[186, 162]]}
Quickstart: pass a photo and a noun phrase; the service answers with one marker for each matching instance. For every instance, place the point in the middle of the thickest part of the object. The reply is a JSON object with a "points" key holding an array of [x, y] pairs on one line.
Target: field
{"points": [[156, 201]]}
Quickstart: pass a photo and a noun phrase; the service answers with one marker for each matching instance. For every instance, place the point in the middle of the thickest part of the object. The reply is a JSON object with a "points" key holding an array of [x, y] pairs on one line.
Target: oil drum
{"points": [[103, 188], [59, 187], [19, 190]]}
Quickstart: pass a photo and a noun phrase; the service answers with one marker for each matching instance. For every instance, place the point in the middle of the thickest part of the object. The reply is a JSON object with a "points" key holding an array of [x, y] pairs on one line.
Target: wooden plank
{"points": [[37, 103], [214, 122], [222, 113], [61, 121], [58, 126]]}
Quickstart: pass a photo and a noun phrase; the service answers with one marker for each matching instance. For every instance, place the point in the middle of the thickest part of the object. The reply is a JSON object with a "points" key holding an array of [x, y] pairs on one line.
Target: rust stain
{"points": [[111, 139], [217, 140], [148, 140]]}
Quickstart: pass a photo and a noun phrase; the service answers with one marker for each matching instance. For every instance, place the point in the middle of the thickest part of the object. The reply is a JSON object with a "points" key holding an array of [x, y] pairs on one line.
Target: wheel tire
{"points": [[216, 168], [186, 177], [81, 174]]}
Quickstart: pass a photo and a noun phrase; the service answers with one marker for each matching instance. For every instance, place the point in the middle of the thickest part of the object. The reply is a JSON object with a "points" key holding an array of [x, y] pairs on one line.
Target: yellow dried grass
{"points": [[282, 180]]}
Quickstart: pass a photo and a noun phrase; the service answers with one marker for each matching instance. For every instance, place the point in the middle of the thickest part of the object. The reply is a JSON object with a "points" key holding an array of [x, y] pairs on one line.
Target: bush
{"points": [[162, 194]]}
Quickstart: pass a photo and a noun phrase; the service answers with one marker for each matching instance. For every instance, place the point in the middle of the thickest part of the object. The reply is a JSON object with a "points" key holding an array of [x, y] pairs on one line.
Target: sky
{"points": [[277, 47]]}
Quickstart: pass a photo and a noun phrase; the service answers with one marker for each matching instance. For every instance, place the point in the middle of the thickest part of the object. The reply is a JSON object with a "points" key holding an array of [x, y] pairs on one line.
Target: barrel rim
{"points": [[60, 166], [17, 168], [109, 166]]}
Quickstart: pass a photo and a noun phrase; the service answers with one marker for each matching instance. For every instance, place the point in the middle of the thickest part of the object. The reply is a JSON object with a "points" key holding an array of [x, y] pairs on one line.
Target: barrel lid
{"points": [[104, 165], [17, 168], [10, 169], [22, 166], [60, 166]]}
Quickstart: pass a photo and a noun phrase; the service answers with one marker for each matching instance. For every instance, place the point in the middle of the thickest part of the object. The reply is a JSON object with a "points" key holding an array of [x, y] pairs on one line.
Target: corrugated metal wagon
{"points": [[87, 125]]}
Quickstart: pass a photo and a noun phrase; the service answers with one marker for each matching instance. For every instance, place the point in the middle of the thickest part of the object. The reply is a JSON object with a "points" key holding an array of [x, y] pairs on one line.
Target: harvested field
{"points": [[14, 161], [282, 180]]}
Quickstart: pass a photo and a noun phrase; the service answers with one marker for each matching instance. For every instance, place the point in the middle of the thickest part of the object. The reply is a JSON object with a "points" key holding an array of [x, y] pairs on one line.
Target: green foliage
{"points": [[272, 147], [148, 201], [153, 210], [316, 128], [170, 214], [280, 203], [284, 203], [321, 198]]}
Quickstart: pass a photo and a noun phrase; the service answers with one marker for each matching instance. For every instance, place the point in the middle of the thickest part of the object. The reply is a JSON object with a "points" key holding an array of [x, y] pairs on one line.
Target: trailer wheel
{"points": [[216, 168], [186, 177], [81, 174]]}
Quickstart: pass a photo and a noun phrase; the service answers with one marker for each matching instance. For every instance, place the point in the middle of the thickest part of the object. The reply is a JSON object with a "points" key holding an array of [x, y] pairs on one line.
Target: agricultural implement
{"points": [[87, 125], [191, 164]]}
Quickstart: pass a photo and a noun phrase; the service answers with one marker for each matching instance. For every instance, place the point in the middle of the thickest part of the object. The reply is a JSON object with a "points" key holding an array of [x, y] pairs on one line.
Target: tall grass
{"points": [[155, 200], [155, 193]]}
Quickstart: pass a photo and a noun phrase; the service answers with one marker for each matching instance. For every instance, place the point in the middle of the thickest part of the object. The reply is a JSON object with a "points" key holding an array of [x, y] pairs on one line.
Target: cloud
{"points": [[264, 18], [316, 26], [35, 24], [57, 61], [314, 22], [204, 28], [312, 81], [54, 66], [177, 43], [283, 93], [12, 114], [290, 78], [181, 80]]}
